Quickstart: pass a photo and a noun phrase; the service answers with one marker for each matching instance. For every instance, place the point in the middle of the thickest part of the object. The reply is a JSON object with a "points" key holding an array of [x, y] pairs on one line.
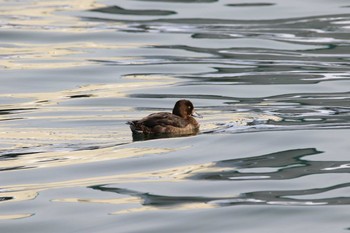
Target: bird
{"points": [[179, 122]]}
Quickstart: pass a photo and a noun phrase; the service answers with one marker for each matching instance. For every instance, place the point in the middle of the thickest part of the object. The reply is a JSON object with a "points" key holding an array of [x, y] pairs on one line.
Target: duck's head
{"points": [[184, 109]]}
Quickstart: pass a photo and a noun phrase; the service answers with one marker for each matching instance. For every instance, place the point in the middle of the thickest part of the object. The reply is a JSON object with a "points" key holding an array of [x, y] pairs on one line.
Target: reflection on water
{"points": [[119, 10], [282, 165], [48, 56], [42, 15], [270, 78], [285, 164]]}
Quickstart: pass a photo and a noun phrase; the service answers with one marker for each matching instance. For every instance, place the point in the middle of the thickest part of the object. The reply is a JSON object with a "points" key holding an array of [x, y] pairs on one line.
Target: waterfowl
{"points": [[179, 122]]}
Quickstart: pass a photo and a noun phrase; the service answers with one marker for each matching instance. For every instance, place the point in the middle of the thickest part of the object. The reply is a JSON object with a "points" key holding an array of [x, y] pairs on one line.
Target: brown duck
{"points": [[179, 122]]}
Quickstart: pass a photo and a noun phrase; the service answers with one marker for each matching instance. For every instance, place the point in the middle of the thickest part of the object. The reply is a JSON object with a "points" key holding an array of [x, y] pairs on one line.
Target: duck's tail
{"points": [[133, 126]]}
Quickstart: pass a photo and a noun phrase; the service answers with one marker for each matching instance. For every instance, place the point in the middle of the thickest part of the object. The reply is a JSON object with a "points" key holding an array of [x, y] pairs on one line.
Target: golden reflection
{"points": [[46, 15], [18, 196], [39, 140], [57, 55], [167, 175], [14, 216], [115, 90], [114, 201], [136, 210], [30, 191], [185, 206], [158, 78], [53, 17], [59, 158]]}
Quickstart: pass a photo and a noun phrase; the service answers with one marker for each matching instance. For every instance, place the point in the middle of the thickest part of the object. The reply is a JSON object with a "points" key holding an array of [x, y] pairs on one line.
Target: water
{"points": [[270, 78]]}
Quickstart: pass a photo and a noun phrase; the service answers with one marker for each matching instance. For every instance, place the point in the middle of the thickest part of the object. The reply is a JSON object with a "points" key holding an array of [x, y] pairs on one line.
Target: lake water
{"points": [[271, 79]]}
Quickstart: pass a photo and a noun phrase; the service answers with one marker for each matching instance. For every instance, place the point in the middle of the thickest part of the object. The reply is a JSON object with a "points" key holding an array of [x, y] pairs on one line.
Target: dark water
{"points": [[270, 78]]}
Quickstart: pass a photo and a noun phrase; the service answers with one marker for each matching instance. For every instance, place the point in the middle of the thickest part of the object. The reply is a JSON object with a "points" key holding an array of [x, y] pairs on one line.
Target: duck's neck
{"points": [[178, 113]]}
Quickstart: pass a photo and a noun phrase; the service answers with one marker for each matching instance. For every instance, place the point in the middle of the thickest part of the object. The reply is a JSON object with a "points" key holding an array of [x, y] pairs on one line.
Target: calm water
{"points": [[271, 79]]}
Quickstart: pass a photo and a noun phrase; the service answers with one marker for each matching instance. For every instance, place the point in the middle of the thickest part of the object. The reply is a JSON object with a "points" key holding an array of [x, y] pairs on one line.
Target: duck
{"points": [[179, 122]]}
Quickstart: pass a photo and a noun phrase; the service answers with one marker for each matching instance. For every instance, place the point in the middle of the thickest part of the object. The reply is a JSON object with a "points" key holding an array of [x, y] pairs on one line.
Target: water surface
{"points": [[270, 78]]}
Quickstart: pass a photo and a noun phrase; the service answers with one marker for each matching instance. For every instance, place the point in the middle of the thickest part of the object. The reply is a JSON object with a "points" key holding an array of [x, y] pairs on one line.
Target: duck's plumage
{"points": [[179, 122]]}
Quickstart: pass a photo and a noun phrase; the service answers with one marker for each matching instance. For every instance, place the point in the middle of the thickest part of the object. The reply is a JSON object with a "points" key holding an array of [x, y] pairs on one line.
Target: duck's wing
{"points": [[163, 119]]}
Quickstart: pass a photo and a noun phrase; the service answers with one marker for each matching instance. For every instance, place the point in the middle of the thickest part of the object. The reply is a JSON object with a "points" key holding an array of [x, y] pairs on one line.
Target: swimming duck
{"points": [[179, 122]]}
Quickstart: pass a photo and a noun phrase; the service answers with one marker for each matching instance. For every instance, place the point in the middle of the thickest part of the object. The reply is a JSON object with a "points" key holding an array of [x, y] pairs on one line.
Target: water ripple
{"points": [[270, 78]]}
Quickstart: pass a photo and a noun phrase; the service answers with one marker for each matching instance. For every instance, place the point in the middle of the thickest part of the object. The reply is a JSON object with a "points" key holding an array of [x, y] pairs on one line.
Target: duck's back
{"points": [[164, 122]]}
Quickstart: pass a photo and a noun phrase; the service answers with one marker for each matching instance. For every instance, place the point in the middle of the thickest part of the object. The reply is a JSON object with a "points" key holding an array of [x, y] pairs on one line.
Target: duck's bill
{"points": [[195, 114]]}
